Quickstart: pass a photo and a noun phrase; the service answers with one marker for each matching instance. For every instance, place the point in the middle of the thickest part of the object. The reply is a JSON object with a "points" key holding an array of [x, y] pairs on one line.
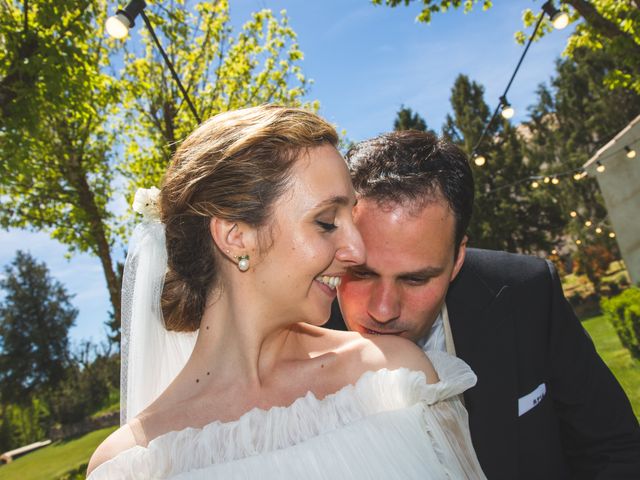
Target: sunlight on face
{"points": [[315, 239], [410, 262]]}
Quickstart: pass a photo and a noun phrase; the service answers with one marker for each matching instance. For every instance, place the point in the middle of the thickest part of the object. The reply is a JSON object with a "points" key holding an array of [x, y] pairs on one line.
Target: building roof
{"points": [[629, 136]]}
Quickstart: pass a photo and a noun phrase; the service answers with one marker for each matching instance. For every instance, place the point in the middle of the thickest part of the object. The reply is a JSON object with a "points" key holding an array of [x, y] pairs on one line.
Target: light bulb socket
{"points": [[559, 19], [550, 9], [132, 10], [507, 110]]}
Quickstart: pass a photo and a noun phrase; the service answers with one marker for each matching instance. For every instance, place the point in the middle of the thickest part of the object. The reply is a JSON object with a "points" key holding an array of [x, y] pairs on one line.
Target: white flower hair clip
{"points": [[145, 202]]}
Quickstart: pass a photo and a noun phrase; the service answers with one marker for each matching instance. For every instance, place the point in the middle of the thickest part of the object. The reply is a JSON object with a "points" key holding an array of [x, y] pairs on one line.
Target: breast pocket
{"points": [[532, 399]]}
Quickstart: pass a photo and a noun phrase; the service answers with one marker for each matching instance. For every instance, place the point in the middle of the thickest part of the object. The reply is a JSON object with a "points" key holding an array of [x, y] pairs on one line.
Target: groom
{"points": [[545, 405]]}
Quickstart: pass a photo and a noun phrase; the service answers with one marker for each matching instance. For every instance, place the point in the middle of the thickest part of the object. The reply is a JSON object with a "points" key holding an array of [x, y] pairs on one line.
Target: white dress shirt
{"points": [[439, 337]]}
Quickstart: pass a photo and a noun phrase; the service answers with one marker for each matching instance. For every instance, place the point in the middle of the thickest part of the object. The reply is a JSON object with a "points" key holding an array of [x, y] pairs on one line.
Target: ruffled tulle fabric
{"points": [[390, 424]]}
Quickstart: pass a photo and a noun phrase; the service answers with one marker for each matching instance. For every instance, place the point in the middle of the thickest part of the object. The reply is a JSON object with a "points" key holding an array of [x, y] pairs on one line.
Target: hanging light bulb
{"points": [[577, 176], [598, 230], [559, 19], [479, 160], [555, 180], [600, 167], [507, 110], [554, 252], [612, 235], [573, 214], [631, 153], [118, 25], [578, 242], [546, 180], [588, 223], [535, 184]]}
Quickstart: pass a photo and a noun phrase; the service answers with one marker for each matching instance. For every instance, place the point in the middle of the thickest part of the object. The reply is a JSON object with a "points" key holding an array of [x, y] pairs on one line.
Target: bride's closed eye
{"points": [[326, 226]]}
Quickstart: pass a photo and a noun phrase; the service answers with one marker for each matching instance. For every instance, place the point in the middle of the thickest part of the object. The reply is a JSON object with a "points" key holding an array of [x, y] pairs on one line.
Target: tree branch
{"points": [[603, 26]]}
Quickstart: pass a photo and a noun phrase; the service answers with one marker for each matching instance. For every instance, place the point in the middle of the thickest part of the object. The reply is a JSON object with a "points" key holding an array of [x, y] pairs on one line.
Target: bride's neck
{"points": [[242, 338]]}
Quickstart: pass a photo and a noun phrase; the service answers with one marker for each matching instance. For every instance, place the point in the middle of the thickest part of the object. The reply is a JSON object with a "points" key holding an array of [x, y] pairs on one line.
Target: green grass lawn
{"points": [[54, 461], [624, 367]]}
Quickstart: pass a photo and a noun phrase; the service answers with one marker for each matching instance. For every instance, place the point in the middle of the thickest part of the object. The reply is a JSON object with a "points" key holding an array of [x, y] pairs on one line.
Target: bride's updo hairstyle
{"points": [[234, 166]]}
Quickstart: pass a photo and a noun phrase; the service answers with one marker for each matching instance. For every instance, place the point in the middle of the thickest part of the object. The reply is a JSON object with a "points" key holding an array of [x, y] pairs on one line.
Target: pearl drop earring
{"points": [[243, 263]]}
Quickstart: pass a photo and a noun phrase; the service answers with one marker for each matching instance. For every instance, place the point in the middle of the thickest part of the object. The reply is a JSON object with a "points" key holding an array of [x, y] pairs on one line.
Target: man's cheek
{"points": [[352, 296]]}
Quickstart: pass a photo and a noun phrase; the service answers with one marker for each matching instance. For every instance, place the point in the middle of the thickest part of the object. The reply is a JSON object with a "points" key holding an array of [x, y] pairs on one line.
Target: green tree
{"points": [[221, 69], [406, 119], [22, 424], [593, 261], [70, 127], [610, 25], [91, 383], [573, 117], [35, 317], [502, 217], [55, 140]]}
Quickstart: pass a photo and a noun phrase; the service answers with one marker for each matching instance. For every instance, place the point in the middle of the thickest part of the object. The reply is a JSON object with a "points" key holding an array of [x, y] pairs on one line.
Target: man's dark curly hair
{"points": [[415, 168]]}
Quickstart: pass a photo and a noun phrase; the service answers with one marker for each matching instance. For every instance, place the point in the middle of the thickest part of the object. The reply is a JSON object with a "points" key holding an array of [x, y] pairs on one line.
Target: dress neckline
{"points": [[375, 392], [307, 398]]}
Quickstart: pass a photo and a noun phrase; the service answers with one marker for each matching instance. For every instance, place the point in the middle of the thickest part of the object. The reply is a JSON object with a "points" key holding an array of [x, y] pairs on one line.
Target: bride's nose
{"points": [[351, 251]]}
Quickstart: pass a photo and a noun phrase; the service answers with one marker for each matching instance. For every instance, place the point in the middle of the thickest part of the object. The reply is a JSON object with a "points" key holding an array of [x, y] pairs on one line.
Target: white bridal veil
{"points": [[151, 355]]}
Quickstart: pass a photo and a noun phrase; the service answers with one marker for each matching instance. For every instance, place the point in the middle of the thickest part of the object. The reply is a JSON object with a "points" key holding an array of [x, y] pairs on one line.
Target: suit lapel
{"points": [[484, 336]]}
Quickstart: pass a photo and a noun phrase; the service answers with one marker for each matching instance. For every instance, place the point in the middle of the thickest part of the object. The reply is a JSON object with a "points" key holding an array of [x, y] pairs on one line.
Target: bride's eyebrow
{"points": [[339, 200]]}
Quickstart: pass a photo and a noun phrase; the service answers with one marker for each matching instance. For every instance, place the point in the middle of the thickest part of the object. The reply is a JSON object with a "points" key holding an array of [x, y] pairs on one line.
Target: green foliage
{"points": [[623, 311], [612, 26], [69, 126], [35, 318], [593, 261], [624, 367], [574, 116], [22, 424], [429, 7], [222, 70], [408, 120], [89, 386], [502, 212], [55, 140]]}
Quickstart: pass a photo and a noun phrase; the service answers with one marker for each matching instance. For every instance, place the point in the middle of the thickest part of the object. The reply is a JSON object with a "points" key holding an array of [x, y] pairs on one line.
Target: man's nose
{"points": [[384, 303]]}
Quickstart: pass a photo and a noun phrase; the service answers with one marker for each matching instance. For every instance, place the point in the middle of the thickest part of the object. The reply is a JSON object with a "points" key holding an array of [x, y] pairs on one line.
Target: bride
{"points": [[235, 378]]}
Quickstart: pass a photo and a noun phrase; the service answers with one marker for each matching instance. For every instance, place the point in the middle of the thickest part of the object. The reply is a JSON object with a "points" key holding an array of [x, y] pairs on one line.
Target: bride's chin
{"points": [[319, 319]]}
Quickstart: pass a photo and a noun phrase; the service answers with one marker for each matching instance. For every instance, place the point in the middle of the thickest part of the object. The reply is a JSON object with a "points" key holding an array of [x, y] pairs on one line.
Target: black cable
{"points": [[504, 95], [170, 65]]}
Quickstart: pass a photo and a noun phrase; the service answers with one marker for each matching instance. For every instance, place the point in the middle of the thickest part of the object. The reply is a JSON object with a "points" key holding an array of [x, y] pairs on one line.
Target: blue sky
{"points": [[366, 62]]}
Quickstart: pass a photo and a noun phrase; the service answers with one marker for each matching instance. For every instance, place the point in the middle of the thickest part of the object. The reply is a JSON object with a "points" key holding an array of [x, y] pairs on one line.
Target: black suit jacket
{"points": [[512, 324]]}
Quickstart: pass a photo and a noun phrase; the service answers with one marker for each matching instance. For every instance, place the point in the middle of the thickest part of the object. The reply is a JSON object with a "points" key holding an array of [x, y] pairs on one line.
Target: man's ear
{"points": [[232, 238], [462, 250]]}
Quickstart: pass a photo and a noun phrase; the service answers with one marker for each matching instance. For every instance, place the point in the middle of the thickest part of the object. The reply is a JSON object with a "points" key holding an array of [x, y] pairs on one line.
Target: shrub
{"points": [[623, 311]]}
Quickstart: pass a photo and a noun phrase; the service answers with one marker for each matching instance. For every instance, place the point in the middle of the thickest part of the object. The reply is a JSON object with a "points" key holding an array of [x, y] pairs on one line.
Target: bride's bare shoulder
{"points": [[122, 439], [373, 352]]}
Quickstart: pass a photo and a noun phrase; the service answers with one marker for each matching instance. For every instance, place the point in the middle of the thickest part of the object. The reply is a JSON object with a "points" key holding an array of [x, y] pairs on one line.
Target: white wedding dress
{"points": [[390, 425]]}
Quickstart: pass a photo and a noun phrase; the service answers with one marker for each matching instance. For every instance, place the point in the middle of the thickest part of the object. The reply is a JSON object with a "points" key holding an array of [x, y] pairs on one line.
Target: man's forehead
{"points": [[404, 238], [404, 206]]}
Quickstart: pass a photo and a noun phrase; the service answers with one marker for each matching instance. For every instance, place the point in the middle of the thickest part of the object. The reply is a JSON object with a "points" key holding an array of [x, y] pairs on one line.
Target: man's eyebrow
{"points": [[339, 200], [423, 272]]}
